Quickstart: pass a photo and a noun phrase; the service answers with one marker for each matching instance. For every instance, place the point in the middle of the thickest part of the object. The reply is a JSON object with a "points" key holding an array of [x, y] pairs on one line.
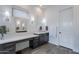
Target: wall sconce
{"points": [[18, 24], [44, 21], [32, 19], [7, 15], [23, 26], [6, 19]]}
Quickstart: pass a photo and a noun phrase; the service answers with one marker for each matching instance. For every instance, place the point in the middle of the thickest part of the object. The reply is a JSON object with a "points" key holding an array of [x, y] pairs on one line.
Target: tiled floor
{"points": [[48, 49]]}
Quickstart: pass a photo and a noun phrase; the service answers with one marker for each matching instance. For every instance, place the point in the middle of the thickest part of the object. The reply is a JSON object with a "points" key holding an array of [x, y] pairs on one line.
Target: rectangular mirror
{"points": [[20, 18]]}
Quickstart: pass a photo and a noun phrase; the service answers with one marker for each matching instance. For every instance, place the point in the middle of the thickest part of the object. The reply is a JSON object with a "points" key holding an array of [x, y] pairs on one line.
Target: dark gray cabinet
{"points": [[8, 48], [34, 43], [46, 37], [42, 39]]}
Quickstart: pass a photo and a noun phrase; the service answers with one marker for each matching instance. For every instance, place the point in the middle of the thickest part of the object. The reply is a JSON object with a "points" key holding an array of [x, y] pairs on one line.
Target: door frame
{"points": [[59, 24]]}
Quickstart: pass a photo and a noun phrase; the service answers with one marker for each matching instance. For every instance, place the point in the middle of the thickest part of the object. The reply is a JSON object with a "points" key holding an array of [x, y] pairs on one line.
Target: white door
{"points": [[65, 28]]}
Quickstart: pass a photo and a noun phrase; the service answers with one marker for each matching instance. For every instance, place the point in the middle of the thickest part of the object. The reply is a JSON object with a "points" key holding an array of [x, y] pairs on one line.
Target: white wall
{"points": [[76, 27], [52, 16]]}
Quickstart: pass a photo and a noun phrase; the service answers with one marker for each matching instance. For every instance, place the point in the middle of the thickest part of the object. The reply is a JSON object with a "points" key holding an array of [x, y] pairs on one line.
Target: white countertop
{"points": [[16, 37]]}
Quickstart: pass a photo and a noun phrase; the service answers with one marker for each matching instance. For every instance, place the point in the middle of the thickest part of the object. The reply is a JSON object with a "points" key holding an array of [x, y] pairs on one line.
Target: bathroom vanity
{"points": [[12, 44], [42, 39]]}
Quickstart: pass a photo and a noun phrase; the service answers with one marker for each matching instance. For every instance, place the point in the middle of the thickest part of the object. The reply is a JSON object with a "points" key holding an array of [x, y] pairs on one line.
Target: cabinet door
{"points": [[46, 37], [34, 43], [41, 40], [10, 49]]}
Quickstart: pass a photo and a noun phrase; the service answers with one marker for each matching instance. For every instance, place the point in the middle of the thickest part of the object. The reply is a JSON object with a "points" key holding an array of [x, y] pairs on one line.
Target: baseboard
{"points": [[74, 50]]}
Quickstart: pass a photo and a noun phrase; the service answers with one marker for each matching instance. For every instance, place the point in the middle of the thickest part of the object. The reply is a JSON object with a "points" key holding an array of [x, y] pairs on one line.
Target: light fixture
{"points": [[32, 18], [44, 21], [7, 13], [23, 25], [18, 23]]}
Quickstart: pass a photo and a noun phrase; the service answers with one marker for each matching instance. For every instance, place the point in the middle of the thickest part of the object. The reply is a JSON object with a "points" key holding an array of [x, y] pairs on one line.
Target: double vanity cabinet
{"points": [[42, 39], [34, 41]]}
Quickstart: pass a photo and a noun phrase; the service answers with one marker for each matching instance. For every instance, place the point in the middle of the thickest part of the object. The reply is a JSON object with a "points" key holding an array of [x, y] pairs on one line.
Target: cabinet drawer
{"points": [[9, 48], [36, 38], [8, 45], [22, 45]]}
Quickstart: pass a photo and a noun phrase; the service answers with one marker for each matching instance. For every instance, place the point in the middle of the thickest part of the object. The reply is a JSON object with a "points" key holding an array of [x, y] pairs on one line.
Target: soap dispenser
{"points": [[46, 28], [40, 28]]}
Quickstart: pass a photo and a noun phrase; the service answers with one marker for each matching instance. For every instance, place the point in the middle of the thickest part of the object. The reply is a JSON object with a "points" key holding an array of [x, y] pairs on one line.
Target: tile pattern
{"points": [[48, 49]]}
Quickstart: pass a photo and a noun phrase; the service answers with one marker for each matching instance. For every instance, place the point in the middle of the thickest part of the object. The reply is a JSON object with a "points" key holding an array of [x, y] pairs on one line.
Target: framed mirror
{"points": [[20, 18]]}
